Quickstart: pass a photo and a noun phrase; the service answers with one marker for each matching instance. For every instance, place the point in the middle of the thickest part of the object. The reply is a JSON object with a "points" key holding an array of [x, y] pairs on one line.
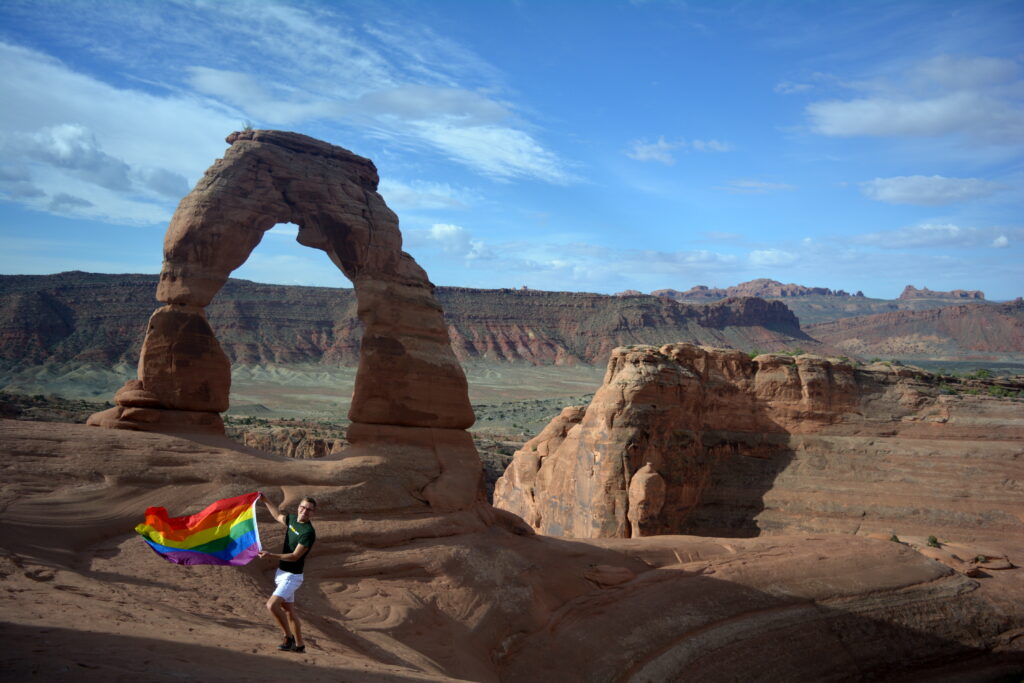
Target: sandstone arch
{"points": [[407, 376]]}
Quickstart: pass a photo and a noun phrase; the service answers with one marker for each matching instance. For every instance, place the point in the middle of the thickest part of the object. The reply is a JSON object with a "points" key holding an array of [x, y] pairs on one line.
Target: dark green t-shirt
{"points": [[298, 533]]}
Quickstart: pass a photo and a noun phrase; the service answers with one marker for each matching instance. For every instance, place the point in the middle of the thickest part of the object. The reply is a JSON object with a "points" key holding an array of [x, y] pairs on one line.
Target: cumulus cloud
{"points": [[126, 152], [976, 97], [749, 186], [927, 190], [453, 240], [1001, 242]]}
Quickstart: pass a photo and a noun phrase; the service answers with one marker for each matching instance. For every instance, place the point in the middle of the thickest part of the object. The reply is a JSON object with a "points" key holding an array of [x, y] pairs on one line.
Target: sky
{"points": [[570, 145]]}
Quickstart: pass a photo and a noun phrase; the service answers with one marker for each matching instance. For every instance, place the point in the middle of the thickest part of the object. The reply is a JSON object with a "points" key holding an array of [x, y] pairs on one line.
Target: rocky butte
{"points": [[414, 576], [696, 440]]}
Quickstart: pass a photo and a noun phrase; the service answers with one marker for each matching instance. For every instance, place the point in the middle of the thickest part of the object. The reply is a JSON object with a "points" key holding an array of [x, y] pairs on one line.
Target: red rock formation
{"points": [[84, 317], [410, 406], [948, 332], [407, 374], [743, 446], [762, 287], [912, 292], [438, 597]]}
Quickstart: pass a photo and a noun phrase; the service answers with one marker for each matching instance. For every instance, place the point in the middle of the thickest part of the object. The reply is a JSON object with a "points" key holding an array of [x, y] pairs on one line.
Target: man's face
{"points": [[305, 510]]}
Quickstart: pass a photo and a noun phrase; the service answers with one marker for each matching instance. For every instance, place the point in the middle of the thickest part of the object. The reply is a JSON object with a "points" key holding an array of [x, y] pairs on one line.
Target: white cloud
{"points": [[711, 146], [748, 186], [772, 257], [938, 235], [453, 240], [790, 88], [129, 154], [976, 97], [660, 151], [498, 151], [927, 190], [422, 195]]}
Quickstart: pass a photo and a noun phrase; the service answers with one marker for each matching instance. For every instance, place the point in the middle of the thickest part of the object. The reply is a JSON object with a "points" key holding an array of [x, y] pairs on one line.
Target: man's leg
{"points": [[276, 605], [293, 621]]}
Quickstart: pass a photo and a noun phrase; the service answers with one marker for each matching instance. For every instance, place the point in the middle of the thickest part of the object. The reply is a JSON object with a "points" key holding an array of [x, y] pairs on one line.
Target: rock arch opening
{"points": [[407, 376]]}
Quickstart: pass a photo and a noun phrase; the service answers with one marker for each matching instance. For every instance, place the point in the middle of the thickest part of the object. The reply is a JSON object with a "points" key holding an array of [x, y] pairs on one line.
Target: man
{"points": [[298, 540]]}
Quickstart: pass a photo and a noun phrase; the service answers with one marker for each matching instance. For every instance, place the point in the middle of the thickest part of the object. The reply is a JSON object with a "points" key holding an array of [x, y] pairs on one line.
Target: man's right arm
{"points": [[275, 512]]}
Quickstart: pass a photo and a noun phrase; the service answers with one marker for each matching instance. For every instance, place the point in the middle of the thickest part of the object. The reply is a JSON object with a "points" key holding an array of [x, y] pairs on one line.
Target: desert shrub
{"points": [[754, 353], [981, 558], [933, 542], [946, 390], [894, 538], [1001, 392], [876, 359], [982, 373]]}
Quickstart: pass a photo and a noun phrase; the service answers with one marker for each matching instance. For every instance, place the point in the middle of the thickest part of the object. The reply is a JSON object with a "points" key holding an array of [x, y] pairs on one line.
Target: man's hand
{"points": [[264, 554]]}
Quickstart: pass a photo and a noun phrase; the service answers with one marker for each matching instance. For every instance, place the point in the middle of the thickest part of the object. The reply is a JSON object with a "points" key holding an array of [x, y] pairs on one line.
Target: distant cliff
{"points": [[820, 304], [762, 287], [101, 318], [912, 292], [946, 332]]}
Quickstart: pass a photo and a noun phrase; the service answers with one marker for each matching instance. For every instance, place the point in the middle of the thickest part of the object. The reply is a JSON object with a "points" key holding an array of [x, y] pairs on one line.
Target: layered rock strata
{"points": [[773, 444], [408, 375], [439, 597], [912, 292], [410, 406]]}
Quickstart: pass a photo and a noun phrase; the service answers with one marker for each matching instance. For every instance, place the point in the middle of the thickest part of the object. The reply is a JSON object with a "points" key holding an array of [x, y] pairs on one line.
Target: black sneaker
{"points": [[288, 645], [299, 648]]}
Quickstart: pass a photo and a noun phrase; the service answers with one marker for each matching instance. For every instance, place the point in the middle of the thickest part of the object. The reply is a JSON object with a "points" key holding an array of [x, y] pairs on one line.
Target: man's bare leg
{"points": [[293, 621], [278, 607]]}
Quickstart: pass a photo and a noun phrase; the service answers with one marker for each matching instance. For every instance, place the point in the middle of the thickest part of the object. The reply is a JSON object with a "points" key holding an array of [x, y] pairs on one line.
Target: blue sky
{"points": [[566, 145]]}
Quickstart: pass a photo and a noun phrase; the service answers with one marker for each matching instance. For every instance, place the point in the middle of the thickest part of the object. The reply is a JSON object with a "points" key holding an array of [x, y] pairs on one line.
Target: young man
{"points": [[298, 540]]}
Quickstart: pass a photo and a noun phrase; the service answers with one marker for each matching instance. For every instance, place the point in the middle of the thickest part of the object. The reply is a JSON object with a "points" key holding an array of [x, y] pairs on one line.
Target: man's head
{"points": [[306, 507]]}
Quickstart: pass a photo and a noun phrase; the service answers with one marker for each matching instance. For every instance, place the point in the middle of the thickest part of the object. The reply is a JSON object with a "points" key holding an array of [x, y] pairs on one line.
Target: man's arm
{"points": [[299, 551], [275, 512]]}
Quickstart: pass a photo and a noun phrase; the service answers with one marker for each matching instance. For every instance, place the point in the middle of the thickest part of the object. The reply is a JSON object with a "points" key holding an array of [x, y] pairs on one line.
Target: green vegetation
{"points": [[980, 559], [894, 538], [933, 542]]}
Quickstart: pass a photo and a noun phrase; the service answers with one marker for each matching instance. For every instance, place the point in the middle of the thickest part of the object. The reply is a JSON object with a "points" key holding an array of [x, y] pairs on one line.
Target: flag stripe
{"points": [[224, 533]]}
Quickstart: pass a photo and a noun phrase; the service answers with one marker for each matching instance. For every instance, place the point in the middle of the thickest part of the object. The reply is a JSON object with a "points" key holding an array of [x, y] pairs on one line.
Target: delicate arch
{"points": [[408, 374]]}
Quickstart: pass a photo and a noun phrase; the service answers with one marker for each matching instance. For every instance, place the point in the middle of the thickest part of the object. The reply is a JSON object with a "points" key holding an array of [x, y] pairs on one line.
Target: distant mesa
{"points": [[762, 287], [912, 292]]}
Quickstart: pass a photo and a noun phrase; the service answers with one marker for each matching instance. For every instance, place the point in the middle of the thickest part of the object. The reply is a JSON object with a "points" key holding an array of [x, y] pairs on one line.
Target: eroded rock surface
{"points": [[445, 596], [773, 444], [407, 374]]}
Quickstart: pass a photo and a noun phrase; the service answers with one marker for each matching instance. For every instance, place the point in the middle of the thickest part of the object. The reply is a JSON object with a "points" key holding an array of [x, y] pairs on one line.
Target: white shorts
{"points": [[287, 583]]}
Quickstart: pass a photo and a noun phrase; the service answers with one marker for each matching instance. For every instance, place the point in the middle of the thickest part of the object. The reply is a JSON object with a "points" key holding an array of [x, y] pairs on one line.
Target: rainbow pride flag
{"points": [[224, 533]]}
